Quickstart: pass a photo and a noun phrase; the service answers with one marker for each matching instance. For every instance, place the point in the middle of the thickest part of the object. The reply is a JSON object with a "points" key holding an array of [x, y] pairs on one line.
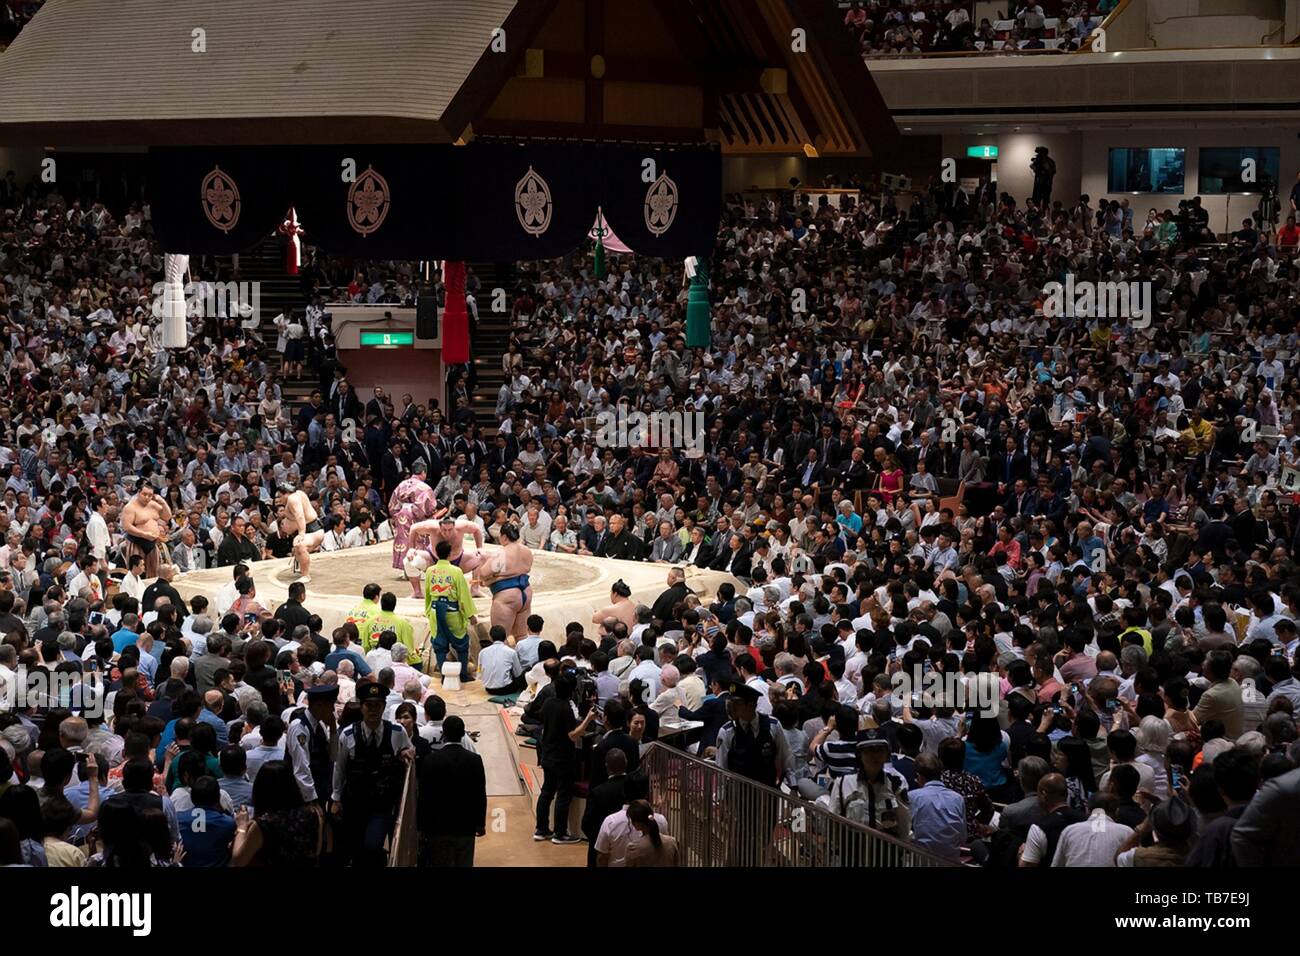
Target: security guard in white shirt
{"points": [[311, 741], [753, 746]]}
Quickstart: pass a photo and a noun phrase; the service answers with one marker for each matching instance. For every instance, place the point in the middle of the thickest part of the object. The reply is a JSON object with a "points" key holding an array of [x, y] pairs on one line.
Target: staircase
{"points": [[264, 263], [489, 340], [281, 293]]}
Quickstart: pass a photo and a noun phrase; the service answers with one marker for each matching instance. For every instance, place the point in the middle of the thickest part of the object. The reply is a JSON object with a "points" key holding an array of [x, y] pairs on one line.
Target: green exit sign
{"points": [[386, 340], [982, 152]]}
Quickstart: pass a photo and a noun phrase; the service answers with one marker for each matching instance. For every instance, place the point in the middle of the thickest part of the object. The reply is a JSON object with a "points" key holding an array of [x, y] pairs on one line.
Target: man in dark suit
{"points": [[700, 469], [309, 411], [345, 404], [452, 800], [734, 558], [1022, 501], [237, 546], [162, 587], [604, 799], [375, 407], [1050, 505], [729, 475], [500, 457], [643, 465], [662, 609], [699, 552], [797, 445], [592, 537], [291, 611], [808, 470], [1008, 466], [712, 711], [424, 449], [393, 468], [616, 737], [855, 474], [828, 448]]}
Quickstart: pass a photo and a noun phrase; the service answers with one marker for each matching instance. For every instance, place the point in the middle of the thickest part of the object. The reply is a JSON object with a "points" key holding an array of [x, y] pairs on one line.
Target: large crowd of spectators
{"points": [[907, 461], [914, 27], [910, 461]]}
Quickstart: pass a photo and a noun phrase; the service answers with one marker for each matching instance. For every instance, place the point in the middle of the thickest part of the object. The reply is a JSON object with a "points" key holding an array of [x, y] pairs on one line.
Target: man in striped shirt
{"points": [[838, 757]]}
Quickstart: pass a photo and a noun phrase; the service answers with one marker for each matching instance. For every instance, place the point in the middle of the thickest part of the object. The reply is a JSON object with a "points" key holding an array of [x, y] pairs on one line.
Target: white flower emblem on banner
{"points": [[533, 203], [220, 198], [368, 202], [660, 205]]}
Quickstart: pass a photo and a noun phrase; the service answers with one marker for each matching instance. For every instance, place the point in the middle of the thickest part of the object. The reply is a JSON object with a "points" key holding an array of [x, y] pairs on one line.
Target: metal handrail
{"points": [[720, 818], [404, 847]]}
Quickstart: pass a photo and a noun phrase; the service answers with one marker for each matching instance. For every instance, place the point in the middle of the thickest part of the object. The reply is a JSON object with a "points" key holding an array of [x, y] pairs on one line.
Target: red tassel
{"points": [[455, 315], [293, 248]]}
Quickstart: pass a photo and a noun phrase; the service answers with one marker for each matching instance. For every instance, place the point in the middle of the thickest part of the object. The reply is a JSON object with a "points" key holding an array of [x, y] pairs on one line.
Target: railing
{"points": [[404, 848], [722, 819]]}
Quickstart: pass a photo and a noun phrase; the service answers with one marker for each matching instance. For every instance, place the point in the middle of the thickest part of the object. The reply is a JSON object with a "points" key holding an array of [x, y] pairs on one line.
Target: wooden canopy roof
{"points": [[755, 76]]}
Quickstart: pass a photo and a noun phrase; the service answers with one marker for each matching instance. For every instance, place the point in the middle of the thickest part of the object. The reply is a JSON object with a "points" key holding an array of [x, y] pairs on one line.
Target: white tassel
{"points": [[175, 335]]}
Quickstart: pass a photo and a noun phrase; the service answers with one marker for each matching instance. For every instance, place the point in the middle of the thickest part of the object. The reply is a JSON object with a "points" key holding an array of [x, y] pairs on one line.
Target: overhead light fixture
{"points": [[810, 151]]}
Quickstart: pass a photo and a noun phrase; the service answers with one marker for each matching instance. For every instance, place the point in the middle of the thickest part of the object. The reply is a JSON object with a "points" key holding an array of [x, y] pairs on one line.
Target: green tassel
{"points": [[697, 307], [600, 248]]}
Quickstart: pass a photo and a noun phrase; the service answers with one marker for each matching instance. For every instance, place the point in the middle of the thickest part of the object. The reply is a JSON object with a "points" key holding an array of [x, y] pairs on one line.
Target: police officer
{"points": [[368, 776], [753, 746], [311, 743]]}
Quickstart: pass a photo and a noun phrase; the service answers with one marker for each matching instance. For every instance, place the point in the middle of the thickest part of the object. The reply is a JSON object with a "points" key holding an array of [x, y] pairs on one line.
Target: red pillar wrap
{"points": [[455, 316]]}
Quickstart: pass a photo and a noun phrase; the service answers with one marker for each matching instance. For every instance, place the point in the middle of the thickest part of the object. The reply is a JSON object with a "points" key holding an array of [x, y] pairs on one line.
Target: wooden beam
{"points": [[798, 102], [490, 74], [734, 78], [540, 129], [594, 46], [861, 108]]}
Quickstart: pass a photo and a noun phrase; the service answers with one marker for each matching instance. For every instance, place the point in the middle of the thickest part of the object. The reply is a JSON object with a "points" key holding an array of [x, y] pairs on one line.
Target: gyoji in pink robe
{"points": [[412, 501]]}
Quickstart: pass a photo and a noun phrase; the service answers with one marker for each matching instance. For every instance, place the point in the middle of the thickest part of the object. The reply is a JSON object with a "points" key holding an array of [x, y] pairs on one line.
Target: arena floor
{"points": [[565, 587]]}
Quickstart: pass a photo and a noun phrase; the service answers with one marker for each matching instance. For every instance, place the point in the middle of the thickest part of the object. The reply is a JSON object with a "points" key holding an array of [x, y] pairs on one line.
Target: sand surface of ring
{"points": [[340, 572]]}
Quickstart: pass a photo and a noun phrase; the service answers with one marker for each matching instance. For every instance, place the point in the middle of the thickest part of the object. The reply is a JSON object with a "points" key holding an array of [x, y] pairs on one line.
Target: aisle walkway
{"points": [[509, 840]]}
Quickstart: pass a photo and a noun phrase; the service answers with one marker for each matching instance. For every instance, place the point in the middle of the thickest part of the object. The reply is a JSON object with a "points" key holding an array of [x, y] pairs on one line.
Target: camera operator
{"points": [[557, 754], [1044, 170], [1193, 221]]}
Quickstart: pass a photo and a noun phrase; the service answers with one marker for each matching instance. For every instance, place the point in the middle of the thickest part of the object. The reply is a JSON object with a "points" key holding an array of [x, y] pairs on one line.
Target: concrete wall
{"points": [[1082, 163], [761, 172], [1183, 23], [1168, 24], [398, 371], [1226, 212], [1129, 30], [1015, 150], [914, 156], [417, 369]]}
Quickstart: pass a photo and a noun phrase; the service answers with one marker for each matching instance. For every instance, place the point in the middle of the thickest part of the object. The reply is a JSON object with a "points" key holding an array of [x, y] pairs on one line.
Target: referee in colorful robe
{"points": [[449, 606]]}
